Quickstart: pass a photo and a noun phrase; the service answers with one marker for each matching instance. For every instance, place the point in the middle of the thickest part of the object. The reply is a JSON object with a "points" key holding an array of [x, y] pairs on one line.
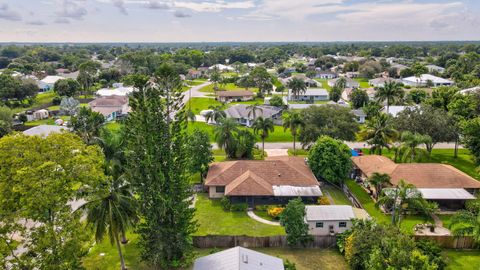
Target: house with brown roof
{"points": [[275, 180], [442, 183], [240, 95]]}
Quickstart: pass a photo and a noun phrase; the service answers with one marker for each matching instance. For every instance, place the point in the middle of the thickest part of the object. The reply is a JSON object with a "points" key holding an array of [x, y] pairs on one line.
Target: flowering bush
{"points": [[274, 212]]}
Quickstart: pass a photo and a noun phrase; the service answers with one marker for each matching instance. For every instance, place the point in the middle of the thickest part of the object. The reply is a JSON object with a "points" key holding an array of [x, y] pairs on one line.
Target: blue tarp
{"points": [[354, 153]]}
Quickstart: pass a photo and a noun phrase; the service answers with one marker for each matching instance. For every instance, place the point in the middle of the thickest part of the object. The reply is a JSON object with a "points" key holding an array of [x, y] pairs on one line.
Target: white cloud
{"points": [[120, 4], [72, 9], [8, 14]]}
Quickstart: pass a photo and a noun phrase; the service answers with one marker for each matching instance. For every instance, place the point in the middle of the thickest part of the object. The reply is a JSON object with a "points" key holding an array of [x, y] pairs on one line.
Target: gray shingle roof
{"points": [[329, 212], [238, 258], [241, 111]]}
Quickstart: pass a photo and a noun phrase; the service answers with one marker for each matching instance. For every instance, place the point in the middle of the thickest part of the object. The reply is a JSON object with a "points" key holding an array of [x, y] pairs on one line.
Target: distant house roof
{"points": [[273, 177], [242, 111], [301, 77], [475, 89], [422, 175], [427, 77], [315, 92], [51, 79], [240, 93], [349, 81], [238, 258], [120, 91], [329, 213], [378, 81], [44, 130], [108, 101], [445, 194], [395, 110]]}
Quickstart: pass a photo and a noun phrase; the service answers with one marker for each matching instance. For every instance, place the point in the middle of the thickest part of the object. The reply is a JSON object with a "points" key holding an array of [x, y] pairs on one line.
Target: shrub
{"points": [[323, 200], [56, 101], [275, 211], [261, 207], [238, 207], [225, 202], [289, 265], [23, 118]]}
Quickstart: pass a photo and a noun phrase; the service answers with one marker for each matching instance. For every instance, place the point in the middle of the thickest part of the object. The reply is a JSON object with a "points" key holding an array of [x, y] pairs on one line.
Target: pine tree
{"points": [[156, 166]]}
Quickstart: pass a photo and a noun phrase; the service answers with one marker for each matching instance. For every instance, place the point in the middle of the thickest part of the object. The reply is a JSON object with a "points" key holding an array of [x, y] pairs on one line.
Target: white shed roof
{"points": [[292, 191], [329, 212], [445, 194], [238, 258]]}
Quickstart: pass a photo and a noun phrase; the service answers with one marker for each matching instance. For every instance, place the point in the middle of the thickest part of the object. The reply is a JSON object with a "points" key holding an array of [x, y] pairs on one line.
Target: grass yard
{"points": [[465, 259], [227, 87], [199, 104], [324, 83], [463, 162], [337, 195], [257, 100], [228, 223], [309, 258], [194, 82], [298, 151], [40, 99], [48, 121], [368, 204], [363, 82]]}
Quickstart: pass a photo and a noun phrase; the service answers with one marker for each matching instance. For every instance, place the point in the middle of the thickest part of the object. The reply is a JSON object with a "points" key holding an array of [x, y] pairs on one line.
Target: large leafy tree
{"points": [[87, 124], [263, 126], [293, 219], [329, 159], [5, 121], [427, 121], [378, 132], [199, 150], [87, 74], [471, 139], [245, 144], [67, 87], [157, 168], [41, 180], [297, 86], [390, 92], [262, 79], [331, 120], [358, 98], [293, 120]]}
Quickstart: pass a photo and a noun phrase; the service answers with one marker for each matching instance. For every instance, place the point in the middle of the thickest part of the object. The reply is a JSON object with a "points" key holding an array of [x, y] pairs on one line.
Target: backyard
{"points": [[228, 87], [462, 259]]}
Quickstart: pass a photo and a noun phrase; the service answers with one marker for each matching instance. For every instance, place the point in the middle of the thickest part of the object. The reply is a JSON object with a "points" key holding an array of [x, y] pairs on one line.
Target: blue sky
{"points": [[237, 20]]}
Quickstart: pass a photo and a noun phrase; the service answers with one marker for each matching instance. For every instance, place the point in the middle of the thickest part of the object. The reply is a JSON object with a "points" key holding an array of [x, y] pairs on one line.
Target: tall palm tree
{"points": [[410, 141], [391, 91], [378, 132], [263, 126], [252, 110], [224, 134], [293, 120], [466, 223], [216, 113], [402, 199], [298, 86], [379, 181], [111, 213]]}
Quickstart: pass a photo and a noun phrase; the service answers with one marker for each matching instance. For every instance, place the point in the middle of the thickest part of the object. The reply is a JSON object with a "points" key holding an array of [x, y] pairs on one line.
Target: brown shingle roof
{"points": [[422, 175], [256, 177], [240, 93], [108, 101]]}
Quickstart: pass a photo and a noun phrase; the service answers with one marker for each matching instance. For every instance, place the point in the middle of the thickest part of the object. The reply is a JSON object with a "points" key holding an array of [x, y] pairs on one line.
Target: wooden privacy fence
{"points": [[449, 241], [226, 241]]}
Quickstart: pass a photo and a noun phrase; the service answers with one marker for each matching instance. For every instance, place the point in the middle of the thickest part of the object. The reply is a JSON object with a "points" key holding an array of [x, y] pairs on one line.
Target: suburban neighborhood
{"points": [[249, 155]]}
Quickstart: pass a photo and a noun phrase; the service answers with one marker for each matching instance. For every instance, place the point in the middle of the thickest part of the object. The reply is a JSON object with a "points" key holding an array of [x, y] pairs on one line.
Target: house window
{"points": [[220, 189], [319, 225], [342, 224]]}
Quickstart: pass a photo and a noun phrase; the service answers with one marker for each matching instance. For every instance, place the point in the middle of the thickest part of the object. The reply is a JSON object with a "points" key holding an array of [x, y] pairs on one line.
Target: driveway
{"points": [[288, 145], [195, 92]]}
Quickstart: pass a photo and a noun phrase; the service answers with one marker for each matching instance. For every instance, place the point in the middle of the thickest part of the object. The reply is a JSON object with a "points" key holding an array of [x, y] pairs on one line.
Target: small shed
{"points": [[40, 114]]}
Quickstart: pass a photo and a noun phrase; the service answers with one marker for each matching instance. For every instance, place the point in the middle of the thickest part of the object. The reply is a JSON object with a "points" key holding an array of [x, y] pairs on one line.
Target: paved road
{"points": [[287, 145], [195, 92]]}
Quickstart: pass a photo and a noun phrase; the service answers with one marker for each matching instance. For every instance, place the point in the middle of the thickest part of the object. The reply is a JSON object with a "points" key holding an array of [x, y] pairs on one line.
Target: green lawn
{"points": [[48, 121], [337, 195], [199, 104], [465, 260], [368, 204], [298, 151], [446, 220], [257, 100], [324, 83], [263, 214], [363, 82], [309, 258], [463, 162], [40, 99], [227, 87], [194, 82], [228, 223]]}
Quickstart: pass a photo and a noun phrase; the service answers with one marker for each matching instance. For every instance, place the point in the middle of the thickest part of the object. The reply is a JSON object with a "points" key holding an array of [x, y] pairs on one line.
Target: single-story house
{"points": [[194, 74], [110, 106], [435, 68], [44, 130], [238, 258], [48, 82], [118, 90], [310, 95], [325, 74], [244, 115], [380, 82], [221, 67], [472, 90], [331, 219], [241, 95], [360, 115], [425, 79], [309, 82], [350, 83], [395, 109], [442, 183], [352, 74], [271, 181]]}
